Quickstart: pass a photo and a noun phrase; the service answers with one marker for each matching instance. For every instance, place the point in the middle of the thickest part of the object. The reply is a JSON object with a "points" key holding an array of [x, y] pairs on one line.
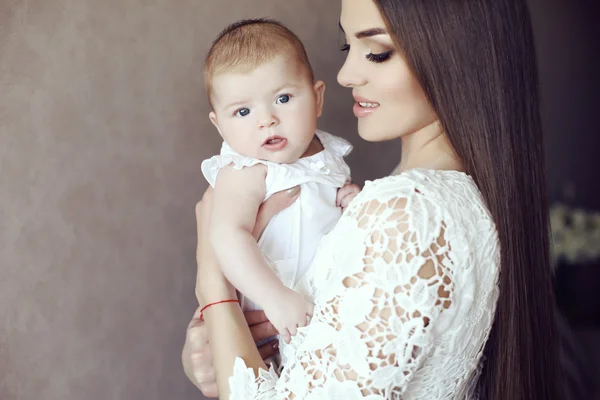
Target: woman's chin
{"points": [[372, 134]]}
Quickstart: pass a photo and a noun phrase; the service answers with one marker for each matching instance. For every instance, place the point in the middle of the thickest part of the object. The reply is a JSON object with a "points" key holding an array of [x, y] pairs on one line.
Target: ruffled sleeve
{"points": [[212, 166], [338, 146]]}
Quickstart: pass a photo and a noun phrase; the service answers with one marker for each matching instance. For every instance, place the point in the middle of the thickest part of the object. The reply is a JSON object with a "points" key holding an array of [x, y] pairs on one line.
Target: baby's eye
{"points": [[284, 98], [242, 112]]}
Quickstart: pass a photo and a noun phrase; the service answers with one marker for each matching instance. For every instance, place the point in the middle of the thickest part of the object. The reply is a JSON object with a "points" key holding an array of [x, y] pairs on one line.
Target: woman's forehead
{"points": [[360, 15]]}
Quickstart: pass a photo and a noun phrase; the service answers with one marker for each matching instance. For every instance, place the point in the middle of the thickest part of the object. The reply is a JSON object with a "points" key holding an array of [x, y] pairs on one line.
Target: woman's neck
{"points": [[428, 148]]}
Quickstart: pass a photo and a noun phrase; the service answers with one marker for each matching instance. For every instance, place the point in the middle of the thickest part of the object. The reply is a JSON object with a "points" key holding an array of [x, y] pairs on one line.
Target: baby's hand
{"points": [[346, 194], [289, 311]]}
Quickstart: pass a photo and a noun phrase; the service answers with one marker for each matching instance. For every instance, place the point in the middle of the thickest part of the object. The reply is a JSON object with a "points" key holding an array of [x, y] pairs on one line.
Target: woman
{"points": [[436, 282]]}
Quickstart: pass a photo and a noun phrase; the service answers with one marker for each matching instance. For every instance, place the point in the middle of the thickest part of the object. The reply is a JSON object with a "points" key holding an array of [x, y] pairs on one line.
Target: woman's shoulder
{"points": [[435, 185], [424, 195]]}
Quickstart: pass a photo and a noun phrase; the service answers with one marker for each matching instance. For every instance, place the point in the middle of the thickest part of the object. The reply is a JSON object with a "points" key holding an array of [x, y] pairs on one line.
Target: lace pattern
{"points": [[405, 289]]}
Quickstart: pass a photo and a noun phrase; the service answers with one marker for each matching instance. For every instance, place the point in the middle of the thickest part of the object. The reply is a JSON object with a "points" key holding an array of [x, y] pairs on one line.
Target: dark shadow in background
{"points": [[567, 33]]}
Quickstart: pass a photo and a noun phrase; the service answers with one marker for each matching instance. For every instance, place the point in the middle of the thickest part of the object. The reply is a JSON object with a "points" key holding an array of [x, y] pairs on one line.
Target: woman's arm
{"points": [[374, 315], [228, 332], [196, 356]]}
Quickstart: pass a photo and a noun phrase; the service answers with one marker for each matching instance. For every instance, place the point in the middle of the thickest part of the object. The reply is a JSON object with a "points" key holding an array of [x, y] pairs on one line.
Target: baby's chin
{"points": [[284, 156], [279, 158]]}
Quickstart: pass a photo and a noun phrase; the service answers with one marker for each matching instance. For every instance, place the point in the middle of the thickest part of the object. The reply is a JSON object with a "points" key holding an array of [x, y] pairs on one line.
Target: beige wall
{"points": [[103, 125]]}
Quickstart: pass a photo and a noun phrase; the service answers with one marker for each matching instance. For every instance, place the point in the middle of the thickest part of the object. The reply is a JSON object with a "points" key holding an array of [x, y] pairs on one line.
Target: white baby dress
{"points": [[290, 240]]}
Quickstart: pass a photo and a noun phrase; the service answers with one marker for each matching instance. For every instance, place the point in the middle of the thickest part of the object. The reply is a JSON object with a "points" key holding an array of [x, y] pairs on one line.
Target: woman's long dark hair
{"points": [[476, 62]]}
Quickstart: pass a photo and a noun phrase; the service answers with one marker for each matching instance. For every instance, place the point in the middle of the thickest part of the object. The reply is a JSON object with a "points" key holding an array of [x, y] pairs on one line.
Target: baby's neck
{"points": [[314, 147]]}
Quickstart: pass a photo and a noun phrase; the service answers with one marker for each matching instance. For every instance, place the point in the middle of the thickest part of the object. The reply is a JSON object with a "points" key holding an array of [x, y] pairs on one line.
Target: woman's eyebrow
{"points": [[370, 32], [367, 32]]}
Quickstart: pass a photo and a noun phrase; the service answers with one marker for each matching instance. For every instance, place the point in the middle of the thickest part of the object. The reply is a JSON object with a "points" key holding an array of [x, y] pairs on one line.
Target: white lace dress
{"points": [[405, 289]]}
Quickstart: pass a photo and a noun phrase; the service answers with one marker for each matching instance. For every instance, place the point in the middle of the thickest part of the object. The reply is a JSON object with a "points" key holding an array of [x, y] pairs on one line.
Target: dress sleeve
{"points": [[375, 307]]}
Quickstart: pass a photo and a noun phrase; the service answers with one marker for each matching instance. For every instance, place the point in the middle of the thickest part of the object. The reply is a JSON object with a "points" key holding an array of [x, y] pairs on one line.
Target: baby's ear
{"points": [[213, 118], [319, 88]]}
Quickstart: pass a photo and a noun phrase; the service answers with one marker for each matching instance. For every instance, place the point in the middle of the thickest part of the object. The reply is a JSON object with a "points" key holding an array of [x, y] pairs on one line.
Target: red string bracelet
{"points": [[215, 303]]}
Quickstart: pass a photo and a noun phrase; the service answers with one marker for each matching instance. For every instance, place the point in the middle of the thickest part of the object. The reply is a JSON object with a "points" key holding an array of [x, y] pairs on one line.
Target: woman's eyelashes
{"points": [[373, 57], [380, 57]]}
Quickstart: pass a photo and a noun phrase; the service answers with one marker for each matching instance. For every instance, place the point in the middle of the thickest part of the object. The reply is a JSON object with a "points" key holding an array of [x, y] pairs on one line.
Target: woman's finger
{"points": [[262, 331], [255, 317], [195, 321], [203, 374], [195, 355], [209, 390], [272, 206], [197, 338], [269, 349]]}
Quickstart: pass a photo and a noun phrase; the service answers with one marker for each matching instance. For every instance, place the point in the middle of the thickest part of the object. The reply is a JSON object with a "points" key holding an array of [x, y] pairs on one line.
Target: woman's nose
{"points": [[349, 75]]}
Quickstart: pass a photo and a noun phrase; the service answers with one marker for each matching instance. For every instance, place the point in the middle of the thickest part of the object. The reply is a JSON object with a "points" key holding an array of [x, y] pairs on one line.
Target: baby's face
{"points": [[269, 113]]}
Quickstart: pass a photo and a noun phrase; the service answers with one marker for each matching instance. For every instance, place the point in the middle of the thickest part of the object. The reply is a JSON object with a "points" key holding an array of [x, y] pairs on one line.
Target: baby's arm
{"points": [[237, 197]]}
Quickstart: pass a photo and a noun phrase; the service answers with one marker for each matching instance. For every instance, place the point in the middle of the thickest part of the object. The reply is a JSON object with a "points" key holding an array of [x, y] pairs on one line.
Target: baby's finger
{"points": [[285, 336], [345, 201], [348, 190], [352, 188], [292, 330], [303, 322], [342, 192]]}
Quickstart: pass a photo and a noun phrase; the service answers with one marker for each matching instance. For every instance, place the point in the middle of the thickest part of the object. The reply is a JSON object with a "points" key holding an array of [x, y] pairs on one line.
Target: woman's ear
{"points": [[319, 88], [213, 118]]}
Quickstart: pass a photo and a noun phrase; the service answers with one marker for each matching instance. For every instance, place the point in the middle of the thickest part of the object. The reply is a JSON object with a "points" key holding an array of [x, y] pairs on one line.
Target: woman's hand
{"points": [[196, 357]]}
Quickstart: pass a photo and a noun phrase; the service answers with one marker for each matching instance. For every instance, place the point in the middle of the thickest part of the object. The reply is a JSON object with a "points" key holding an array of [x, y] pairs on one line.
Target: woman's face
{"points": [[390, 103]]}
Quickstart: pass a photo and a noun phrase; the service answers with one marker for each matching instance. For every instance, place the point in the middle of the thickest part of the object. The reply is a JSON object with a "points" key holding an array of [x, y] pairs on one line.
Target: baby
{"points": [[265, 104]]}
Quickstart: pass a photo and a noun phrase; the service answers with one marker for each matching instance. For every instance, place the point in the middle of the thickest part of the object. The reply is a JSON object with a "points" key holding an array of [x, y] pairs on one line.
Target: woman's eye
{"points": [[345, 47], [242, 112], [380, 57], [284, 98]]}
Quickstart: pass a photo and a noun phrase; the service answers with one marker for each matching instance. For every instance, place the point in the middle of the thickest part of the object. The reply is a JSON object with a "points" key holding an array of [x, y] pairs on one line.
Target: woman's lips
{"points": [[364, 107], [275, 143]]}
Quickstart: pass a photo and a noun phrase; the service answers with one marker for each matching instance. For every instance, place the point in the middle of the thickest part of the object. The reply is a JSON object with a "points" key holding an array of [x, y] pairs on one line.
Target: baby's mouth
{"points": [[275, 143], [273, 140]]}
